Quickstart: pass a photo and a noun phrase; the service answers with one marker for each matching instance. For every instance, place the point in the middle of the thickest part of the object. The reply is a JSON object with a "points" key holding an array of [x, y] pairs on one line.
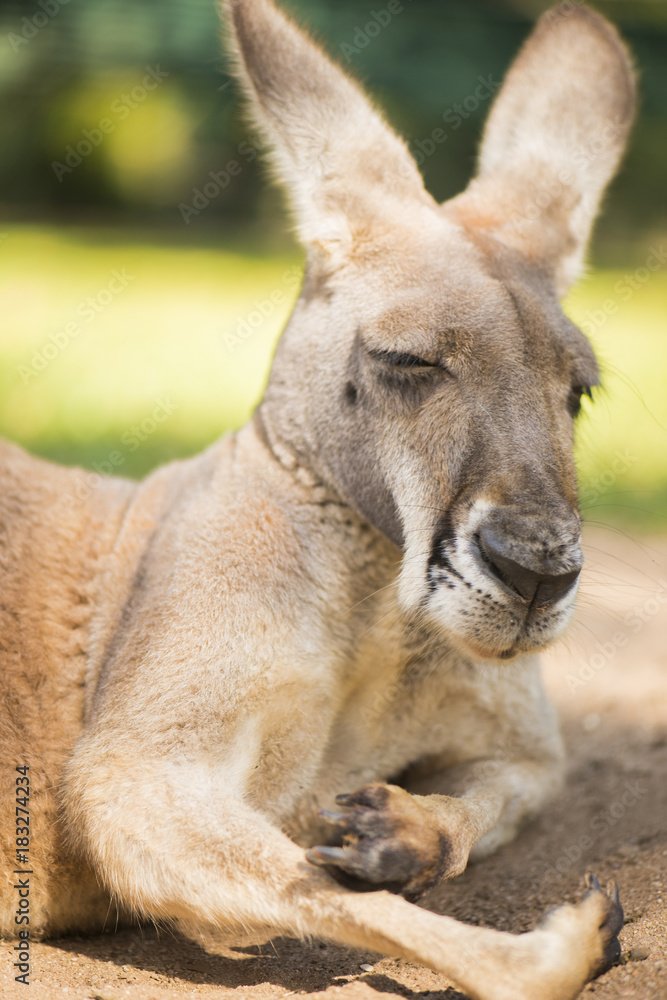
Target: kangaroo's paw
{"points": [[612, 921], [383, 839], [570, 946], [593, 926], [573, 945]]}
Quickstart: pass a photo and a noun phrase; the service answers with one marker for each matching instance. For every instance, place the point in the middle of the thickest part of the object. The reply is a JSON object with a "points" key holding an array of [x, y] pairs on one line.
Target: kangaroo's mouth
{"points": [[484, 617], [501, 641], [495, 594]]}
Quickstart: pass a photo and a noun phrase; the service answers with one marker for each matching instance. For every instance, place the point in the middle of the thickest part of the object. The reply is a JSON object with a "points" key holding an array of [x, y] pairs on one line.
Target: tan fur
{"points": [[347, 596]]}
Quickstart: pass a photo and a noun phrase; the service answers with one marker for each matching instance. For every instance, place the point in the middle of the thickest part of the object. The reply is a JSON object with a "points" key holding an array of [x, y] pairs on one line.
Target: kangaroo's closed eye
{"points": [[408, 362]]}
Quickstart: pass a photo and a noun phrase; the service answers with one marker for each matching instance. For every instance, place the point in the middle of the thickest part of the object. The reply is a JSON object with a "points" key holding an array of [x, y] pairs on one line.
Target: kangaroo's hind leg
{"points": [[170, 842]]}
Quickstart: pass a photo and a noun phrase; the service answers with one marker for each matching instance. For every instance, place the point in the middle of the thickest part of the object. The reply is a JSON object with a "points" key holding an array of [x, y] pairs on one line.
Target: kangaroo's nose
{"points": [[539, 587]]}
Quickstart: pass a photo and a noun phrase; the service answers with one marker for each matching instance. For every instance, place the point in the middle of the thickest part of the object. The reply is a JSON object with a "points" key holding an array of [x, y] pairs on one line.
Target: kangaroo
{"points": [[267, 690]]}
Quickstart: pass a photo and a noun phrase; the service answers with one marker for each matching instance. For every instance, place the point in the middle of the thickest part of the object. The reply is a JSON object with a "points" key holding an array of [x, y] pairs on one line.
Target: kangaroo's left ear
{"points": [[342, 165], [553, 141]]}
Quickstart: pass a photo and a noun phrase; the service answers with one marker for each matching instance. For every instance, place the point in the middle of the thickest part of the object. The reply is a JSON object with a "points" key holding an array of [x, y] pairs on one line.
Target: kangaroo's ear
{"points": [[341, 163], [553, 140]]}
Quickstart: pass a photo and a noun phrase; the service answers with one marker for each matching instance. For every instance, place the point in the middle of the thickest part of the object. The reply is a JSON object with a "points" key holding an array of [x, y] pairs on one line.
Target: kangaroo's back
{"points": [[57, 526]]}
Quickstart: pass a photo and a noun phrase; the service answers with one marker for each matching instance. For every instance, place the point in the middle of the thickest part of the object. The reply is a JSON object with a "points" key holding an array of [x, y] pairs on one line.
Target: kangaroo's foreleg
{"points": [[169, 839], [407, 839]]}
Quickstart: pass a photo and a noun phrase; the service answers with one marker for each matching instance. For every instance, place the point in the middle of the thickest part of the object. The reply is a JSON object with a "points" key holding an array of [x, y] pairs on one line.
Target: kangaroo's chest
{"points": [[398, 706]]}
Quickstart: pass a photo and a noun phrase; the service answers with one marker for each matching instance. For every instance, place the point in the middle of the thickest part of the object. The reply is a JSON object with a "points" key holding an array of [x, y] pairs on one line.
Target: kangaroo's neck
{"points": [[368, 559]]}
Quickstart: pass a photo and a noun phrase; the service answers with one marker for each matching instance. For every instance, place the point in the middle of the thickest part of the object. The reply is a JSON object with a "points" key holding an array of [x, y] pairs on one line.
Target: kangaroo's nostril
{"points": [[531, 585]]}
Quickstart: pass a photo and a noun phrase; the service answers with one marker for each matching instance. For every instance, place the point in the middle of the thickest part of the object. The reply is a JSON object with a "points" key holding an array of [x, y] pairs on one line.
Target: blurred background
{"points": [[147, 268]]}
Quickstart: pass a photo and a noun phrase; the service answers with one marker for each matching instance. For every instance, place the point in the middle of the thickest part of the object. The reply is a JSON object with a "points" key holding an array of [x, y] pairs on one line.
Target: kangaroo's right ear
{"points": [[342, 165]]}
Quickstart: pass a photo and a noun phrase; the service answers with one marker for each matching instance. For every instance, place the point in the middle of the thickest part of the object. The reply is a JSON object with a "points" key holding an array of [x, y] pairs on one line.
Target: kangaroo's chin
{"points": [[487, 653], [514, 652], [511, 644]]}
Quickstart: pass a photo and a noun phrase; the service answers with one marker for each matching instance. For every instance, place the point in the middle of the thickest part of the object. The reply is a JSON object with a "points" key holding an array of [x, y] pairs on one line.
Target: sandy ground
{"points": [[610, 682]]}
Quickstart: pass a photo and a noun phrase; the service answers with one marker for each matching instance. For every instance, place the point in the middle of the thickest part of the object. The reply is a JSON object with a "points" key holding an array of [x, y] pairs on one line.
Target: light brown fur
{"points": [[348, 595]]}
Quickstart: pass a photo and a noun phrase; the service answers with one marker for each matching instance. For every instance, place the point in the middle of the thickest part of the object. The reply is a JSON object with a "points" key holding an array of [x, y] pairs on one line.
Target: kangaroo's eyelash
{"points": [[575, 396], [399, 359]]}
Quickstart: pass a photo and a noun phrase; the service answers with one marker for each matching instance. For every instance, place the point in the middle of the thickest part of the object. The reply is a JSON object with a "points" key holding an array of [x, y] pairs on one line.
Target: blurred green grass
{"points": [[193, 329]]}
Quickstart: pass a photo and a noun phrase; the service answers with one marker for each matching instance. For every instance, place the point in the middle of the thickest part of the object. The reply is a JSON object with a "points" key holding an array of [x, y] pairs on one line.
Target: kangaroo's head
{"points": [[428, 373]]}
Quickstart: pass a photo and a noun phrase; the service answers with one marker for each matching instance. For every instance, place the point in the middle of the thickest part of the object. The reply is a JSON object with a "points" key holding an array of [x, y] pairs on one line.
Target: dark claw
{"points": [[326, 856], [345, 862], [372, 796], [592, 882], [616, 918], [611, 925], [336, 819]]}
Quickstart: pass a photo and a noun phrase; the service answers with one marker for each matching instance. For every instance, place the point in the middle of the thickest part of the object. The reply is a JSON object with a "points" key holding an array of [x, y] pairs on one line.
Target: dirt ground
{"points": [[610, 682]]}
